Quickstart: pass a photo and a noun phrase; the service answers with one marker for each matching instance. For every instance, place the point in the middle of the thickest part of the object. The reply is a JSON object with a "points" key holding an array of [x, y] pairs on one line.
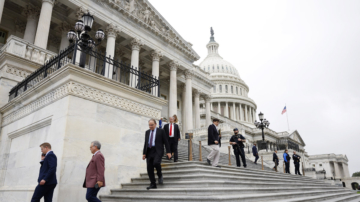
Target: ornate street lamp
{"points": [[81, 37], [261, 125]]}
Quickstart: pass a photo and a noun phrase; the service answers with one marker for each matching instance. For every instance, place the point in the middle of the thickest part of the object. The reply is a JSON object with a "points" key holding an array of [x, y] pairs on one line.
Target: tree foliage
{"points": [[356, 174]]}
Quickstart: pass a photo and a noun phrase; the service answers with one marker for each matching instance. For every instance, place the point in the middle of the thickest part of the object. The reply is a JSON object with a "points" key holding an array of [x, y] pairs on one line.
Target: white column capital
{"points": [[136, 44], [156, 55], [31, 11], [197, 93], [174, 65], [53, 2], [207, 98], [188, 74], [112, 30]]}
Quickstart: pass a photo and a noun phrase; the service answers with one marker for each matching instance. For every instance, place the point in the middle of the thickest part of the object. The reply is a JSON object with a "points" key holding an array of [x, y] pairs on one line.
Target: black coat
{"points": [[213, 135], [176, 132], [160, 141], [275, 157], [296, 159], [48, 169]]}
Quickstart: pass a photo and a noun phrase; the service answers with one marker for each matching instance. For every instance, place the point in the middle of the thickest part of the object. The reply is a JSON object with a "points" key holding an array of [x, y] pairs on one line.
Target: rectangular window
{"points": [[214, 89], [220, 88], [3, 36], [178, 104], [237, 91], [232, 90], [320, 164], [226, 89], [240, 91]]}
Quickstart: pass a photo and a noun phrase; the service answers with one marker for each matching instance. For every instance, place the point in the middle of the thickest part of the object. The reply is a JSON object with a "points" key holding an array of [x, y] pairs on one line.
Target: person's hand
{"points": [[42, 157], [100, 183], [144, 157], [42, 182], [216, 142], [168, 155], [179, 139], [239, 139]]}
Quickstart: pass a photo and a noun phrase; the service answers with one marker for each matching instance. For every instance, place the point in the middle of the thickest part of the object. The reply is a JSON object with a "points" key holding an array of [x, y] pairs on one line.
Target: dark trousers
{"points": [[153, 160], [256, 158], [45, 191], [276, 165], [91, 195], [173, 148], [297, 167], [239, 154], [287, 167]]}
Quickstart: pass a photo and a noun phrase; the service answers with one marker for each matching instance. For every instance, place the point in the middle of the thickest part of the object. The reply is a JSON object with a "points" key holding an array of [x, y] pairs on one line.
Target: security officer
{"points": [[296, 163], [237, 142]]}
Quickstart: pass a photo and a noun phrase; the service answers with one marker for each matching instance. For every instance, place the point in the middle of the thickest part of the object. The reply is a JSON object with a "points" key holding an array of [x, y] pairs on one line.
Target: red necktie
{"points": [[170, 130]]}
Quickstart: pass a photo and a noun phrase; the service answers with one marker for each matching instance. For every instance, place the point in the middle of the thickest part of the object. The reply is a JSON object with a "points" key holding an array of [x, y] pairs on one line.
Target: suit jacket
{"points": [[176, 132], [160, 141], [95, 171], [48, 169], [275, 157], [213, 134], [296, 159], [254, 150]]}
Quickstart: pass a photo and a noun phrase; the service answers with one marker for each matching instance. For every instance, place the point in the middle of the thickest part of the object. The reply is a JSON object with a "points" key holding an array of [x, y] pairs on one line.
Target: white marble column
{"points": [[197, 108], [226, 111], [183, 107], [188, 100], [207, 110], [250, 114], [212, 106], [219, 108], [2, 2], [111, 32], [136, 45], [246, 113], [43, 28], [64, 29], [32, 14], [173, 88], [240, 113], [254, 114], [234, 114], [156, 56]]}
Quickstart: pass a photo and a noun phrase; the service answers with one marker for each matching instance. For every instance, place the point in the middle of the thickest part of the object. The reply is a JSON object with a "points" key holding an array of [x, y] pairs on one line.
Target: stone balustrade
{"points": [[24, 49]]}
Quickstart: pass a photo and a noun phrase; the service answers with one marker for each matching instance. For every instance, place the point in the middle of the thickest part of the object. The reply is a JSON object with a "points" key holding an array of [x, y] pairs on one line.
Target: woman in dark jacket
{"points": [[287, 158]]}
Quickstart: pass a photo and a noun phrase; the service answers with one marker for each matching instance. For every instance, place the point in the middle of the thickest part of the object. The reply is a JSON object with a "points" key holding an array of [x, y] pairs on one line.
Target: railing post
{"points": [[200, 155], [75, 50], [45, 69], [262, 163], [139, 79], [104, 67], [229, 147], [303, 169], [158, 81], [59, 59], [25, 86], [190, 150], [284, 166]]}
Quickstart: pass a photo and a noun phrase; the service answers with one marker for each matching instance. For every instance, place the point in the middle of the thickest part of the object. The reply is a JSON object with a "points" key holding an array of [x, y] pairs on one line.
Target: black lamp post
{"points": [[324, 173], [82, 38], [261, 125]]}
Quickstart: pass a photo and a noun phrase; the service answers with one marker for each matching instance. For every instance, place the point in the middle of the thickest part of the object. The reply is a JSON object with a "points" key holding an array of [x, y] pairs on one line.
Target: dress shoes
{"points": [[152, 186], [208, 161], [161, 180], [218, 166]]}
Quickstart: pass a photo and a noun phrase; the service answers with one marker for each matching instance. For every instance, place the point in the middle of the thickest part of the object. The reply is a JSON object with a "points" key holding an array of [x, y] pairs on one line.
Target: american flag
{"points": [[283, 111]]}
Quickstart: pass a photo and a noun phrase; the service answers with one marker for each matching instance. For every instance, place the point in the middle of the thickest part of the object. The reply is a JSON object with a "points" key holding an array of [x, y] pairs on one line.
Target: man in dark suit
{"points": [[95, 173], [296, 159], [173, 134], [255, 153], [155, 139], [47, 176], [276, 160], [213, 142]]}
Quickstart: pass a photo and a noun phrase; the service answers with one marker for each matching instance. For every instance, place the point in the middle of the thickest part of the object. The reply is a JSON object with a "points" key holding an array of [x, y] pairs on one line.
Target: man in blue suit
{"points": [[47, 176], [255, 153]]}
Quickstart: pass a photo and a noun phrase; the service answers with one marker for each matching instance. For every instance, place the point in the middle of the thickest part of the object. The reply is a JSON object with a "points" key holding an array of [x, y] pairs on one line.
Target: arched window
{"points": [[232, 90], [237, 91], [222, 67], [209, 68], [220, 88], [226, 89], [213, 67], [214, 89], [240, 91]]}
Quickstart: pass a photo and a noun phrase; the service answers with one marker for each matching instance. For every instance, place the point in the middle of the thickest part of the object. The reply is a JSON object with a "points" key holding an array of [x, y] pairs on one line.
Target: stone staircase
{"points": [[196, 181]]}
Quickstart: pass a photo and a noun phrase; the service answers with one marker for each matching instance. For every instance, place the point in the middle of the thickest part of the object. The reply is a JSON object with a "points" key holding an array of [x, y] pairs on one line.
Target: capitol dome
{"points": [[230, 93]]}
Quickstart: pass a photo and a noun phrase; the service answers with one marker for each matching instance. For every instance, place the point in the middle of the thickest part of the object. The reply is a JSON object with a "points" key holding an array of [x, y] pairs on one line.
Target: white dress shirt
{"points": [[45, 155], [96, 152], [171, 125], [154, 136]]}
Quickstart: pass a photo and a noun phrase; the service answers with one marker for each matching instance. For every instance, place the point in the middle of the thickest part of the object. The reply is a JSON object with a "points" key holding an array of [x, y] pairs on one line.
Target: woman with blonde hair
{"points": [[175, 118]]}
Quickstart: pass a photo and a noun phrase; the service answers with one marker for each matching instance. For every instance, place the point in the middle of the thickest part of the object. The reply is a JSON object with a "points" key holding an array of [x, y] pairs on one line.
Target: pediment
{"points": [[296, 137]]}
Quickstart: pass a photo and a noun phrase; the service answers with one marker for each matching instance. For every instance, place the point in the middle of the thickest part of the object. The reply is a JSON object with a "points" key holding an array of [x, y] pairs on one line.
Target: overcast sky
{"points": [[302, 53]]}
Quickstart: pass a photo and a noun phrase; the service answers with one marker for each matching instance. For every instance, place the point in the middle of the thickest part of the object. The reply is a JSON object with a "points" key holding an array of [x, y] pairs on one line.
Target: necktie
{"points": [[170, 130], [151, 139]]}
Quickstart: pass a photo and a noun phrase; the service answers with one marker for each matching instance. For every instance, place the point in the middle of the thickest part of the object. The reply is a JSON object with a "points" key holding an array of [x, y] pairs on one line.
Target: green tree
{"points": [[356, 174]]}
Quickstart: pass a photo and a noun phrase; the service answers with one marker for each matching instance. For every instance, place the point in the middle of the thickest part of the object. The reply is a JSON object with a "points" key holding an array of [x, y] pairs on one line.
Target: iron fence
{"points": [[95, 61]]}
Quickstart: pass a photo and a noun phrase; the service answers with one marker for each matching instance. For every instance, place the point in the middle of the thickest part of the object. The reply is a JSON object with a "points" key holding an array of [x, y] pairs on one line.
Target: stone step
{"points": [[218, 183], [254, 176], [196, 177], [214, 191], [235, 170], [345, 196], [222, 198]]}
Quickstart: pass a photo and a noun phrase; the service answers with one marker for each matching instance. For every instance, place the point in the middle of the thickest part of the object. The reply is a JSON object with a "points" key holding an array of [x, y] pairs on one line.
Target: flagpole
{"points": [[287, 118]]}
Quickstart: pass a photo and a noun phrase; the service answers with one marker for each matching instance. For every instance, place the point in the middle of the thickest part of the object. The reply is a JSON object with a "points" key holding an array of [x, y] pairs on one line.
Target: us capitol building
{"points": [[133, 66]]}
